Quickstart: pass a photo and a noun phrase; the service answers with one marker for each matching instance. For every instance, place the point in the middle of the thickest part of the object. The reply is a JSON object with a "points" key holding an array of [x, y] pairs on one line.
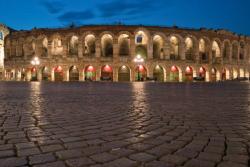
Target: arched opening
{"points": [[242, 73], [158, 73], [141, 42], [226, 51], [216, 53], [124, 43], [202, 74], [158, 51], [107, 45], [174, 48], [45, 74], [213, 75], [242, 51], [235, 73], [189, 49], [174, 74], [73, 46], [89, 49], [225, 74], [44, 49], [57, 48], [124, 74], [34, 74], [58, 74], [90, 73], [189, 74], [203, 51], [73, 74], [140, 73], [235, 51], [107, 73]]}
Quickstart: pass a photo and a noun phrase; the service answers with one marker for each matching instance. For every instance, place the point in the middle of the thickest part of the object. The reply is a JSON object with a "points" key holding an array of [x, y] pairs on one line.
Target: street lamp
{"points": [[138, 60], [35, 62]]}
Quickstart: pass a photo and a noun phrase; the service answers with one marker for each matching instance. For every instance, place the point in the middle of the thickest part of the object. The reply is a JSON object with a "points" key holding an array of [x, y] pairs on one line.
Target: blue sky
{"points": [[26, 14]]}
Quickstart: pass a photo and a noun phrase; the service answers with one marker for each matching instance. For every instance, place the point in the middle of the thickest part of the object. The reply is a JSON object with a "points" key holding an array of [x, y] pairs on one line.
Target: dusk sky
{"points": [[228, 14]]}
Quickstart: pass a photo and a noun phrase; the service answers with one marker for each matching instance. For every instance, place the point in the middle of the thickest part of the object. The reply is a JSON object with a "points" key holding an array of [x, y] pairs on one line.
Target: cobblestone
{"points": [[125, 125]]}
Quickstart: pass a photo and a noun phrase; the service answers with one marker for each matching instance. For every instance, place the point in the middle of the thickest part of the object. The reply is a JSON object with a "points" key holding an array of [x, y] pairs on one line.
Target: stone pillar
{"points": [[65, 74], [132, 47], [115, 74], [115, 48], [182, 50], [65, 47], [150, 71], [166, 49], [98, 48], [39, 74], [49, 49], [80, 49], [98, 73], [150, 48]]}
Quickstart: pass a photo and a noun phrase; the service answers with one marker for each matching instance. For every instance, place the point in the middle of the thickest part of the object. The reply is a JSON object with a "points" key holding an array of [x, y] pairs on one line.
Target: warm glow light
{"points": [[213, 70], [188, 69], [202, 70], [58, 69], [138, 59], [173, 68], [157, 67], [141, 68], [124, 67], [107, 68]]}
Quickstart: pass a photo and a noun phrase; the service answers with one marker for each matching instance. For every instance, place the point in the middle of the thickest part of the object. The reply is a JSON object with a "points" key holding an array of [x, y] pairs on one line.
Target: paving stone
{"points": [[6, 153], [41, 158], [124, 162], [51, 148], [79, 162], [199, 163], [231, 164], [158, 164], [13, 162], [66, 154], [52, 164], [28, 151], [174, 159], [242, 159], [103, 157], [210, 157], [142, 157]]}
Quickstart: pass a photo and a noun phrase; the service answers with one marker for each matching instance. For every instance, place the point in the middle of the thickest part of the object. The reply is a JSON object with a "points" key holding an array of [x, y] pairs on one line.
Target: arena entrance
{"points": [[34, 74], [202, 74], [90, 73], [58, 74], [158, 74], [140, 73], [45, 74], [174, 74], [107, 73], [213, 75], [124, 74], [73, 74], [189, 74]]}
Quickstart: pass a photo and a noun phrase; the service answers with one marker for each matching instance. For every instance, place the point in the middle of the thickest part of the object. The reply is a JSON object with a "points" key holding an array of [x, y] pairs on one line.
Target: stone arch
{"points": [[235, 50], [225, 74], [124, 73], [106, 73], [202, 75], [57, 47], [158, 73], [175, 74], [175, 46], [189, 73], [242, 50], [20, 47], [189, 48], [141, 43], [141, 73], [58, 73], [204, 49], [74, 73], [215, 75], [30, 46], [235, 73], [42, 46], [107, 45], [89, 45], [241, 73], [216, 48], [158, 44], [73, 43], [124, 44], [46, 74], [226, 49], [90, 73]]}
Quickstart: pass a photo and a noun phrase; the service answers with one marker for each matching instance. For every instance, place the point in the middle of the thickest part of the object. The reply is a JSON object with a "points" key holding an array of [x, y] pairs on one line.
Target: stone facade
{"points": [[4, 31], [108, 53]]}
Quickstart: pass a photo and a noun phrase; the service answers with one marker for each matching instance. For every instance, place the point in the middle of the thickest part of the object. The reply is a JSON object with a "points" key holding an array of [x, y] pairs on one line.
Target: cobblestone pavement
{"points": [[123, 125]]}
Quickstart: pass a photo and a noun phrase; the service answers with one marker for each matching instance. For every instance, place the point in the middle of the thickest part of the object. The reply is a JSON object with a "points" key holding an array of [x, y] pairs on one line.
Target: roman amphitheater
{"points": [[123, 53]]}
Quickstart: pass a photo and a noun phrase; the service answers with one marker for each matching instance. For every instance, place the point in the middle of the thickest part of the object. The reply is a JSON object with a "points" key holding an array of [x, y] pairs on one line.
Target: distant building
{"points": [[126, 53], [4, 31]]}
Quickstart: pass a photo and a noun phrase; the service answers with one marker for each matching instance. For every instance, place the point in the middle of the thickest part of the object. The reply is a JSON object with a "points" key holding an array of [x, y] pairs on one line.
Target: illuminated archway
{"points": [[174, 74], [124, 45], [34, 74], [58, 74], [140, 73], [174, 48], [158, 47], [158, 73], [107, 45], [225, 74], [73, 74], [242, 73], [189, 74], [107, 73], [45, 74], [90, 73], [124, 74], [141, 43], [202, 74], [235, 73], [213, 75], [89, 45]]}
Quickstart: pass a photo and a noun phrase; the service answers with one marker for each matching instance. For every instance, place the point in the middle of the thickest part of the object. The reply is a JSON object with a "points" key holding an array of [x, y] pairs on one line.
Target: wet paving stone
{"points": [[124, 124]]}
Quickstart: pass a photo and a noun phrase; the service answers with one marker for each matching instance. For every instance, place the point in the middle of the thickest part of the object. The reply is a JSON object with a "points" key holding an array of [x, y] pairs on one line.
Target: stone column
{"points": [[80, 49], [115, 48], [182, 50], [150, 48], [98, 48], [65, 47], [166, 49], [49, 49], [132, 47], [115, 74]]}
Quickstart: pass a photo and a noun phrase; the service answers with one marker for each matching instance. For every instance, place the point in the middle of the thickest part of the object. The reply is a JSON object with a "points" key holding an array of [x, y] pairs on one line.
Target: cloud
{"points": [[53, 7], [76, 16]]}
